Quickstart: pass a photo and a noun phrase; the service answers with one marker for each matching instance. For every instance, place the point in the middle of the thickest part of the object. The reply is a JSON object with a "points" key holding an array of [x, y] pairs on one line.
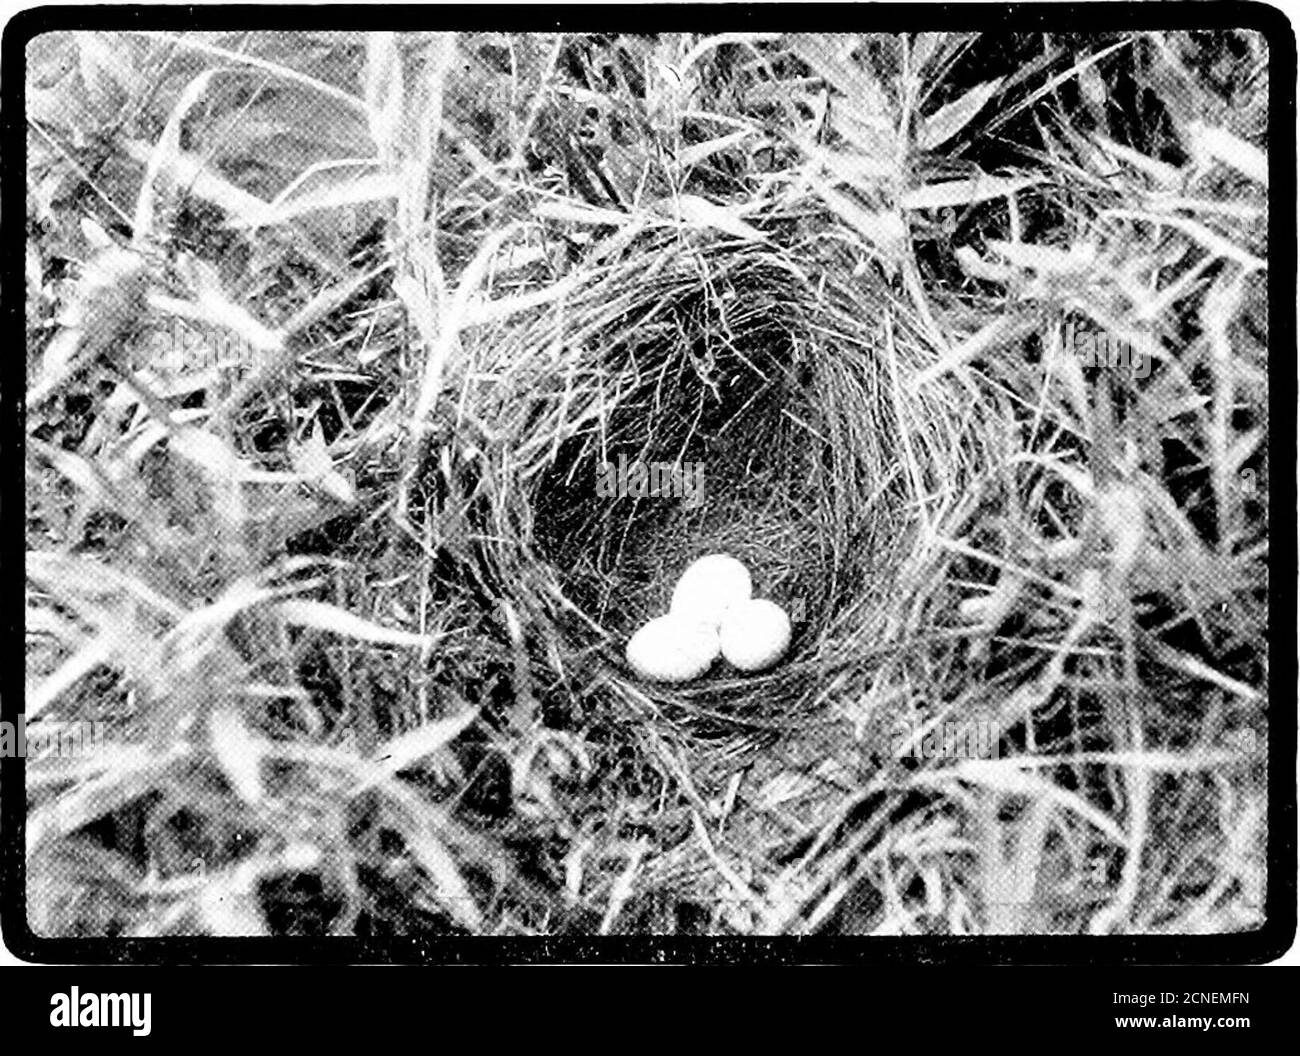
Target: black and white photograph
{"points": [[649, 486]]}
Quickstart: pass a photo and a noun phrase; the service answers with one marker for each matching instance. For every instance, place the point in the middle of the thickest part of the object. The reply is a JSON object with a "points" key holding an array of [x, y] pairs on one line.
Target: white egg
{"points": [[710, 586], [754, 634], [673, 648]]}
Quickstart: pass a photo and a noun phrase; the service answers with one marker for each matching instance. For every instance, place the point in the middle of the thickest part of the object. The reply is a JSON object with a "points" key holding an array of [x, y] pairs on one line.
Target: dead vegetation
{"points": [[328, 333]]}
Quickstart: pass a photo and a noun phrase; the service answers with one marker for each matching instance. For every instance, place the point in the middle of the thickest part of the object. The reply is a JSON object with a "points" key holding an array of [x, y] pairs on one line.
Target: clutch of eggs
{"points": [[710, 586], [673, 648], [754, 634]]}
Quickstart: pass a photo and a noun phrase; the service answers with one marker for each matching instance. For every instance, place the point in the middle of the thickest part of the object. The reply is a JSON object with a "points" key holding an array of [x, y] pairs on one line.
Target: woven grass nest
{"points": [[786, 390]]}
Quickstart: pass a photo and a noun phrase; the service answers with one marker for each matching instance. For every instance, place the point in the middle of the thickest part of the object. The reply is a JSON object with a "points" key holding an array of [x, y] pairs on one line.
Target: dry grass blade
{"points": [[408, 749], [329, 618], [949, 120]]}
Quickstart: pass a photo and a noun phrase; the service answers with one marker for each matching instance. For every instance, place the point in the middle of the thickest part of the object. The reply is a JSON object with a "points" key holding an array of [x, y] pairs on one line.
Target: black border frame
{"points": [[1265, 944]]}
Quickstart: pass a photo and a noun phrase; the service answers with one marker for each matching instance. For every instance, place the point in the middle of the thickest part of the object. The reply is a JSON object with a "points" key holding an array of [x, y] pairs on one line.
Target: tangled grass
{"points": [[329, 339]]}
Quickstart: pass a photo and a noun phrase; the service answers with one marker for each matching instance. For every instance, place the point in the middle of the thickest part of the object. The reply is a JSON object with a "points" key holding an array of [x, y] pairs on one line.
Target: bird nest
{"points": [[768, 411]]}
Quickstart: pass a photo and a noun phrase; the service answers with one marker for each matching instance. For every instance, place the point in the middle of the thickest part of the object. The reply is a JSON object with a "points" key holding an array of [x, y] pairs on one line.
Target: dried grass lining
{"points": [[790, 386]]}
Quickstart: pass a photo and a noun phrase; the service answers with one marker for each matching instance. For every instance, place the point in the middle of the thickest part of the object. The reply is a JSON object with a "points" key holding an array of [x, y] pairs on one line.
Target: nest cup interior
{"points": [[710, 452], [757, 408]]}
